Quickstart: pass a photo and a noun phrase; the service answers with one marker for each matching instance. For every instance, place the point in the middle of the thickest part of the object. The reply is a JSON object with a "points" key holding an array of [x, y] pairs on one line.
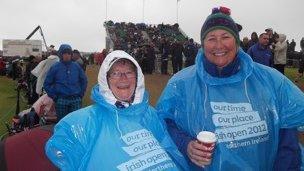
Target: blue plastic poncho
{"points": [[104, 137], [245, 111]]}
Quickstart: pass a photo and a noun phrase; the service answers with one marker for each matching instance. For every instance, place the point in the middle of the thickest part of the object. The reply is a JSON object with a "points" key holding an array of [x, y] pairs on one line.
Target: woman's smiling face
{"points": [[122, 79], [220, 47]]}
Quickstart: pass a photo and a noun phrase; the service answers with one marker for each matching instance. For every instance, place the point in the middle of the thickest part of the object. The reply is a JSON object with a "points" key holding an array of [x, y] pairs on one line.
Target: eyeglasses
{"points": [[117, 74]]}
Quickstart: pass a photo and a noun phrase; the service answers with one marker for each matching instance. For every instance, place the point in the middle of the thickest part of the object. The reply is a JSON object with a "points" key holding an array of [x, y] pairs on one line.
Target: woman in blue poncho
{"points": [[244, 103], [120, 131]]}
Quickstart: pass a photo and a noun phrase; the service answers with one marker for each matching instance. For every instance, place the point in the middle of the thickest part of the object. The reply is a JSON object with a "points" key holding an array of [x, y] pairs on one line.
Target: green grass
{"points": [[291, 73], [8, 96]]}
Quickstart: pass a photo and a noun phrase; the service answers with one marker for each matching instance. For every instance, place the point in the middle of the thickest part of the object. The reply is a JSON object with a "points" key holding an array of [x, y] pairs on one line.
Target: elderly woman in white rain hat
{"points": [[120, 131]]}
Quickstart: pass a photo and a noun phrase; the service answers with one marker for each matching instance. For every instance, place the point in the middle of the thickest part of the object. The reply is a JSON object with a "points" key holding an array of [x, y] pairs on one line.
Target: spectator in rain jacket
{"points": [[65, 83], [42, 69], [260, 51], [190, 53], [280, 52]]}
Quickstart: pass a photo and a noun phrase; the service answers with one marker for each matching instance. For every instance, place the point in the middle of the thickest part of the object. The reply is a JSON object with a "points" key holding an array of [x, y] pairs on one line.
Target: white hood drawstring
{"points": [[205, 102], [117, 124], [246, 91], [205, 115]]}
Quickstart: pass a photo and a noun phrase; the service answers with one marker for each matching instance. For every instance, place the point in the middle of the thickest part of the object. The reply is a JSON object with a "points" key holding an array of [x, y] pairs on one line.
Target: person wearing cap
{"points": [[190, 53], [269, 32], [51, 48], [65, 83], [120, 131], [244, 103], [78, 59], [254, 38]]}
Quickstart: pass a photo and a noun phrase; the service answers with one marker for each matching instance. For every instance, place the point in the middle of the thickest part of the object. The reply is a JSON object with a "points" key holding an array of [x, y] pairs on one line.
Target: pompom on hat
{"points": [[220, 19]]}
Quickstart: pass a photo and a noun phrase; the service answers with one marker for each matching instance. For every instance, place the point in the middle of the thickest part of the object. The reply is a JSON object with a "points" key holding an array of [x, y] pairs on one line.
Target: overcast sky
{"points": [[80, 22]]}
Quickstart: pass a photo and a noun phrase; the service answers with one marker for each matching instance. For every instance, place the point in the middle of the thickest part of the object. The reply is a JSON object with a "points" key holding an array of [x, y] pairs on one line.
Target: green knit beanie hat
{"points": [[220, 19]]}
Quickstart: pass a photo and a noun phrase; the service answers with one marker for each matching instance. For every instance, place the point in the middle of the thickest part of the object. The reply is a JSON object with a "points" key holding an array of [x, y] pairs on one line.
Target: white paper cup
{"points": [[207, 138]]}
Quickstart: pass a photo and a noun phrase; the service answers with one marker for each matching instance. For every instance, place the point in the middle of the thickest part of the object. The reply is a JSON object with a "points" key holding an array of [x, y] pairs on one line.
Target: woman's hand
{"points": [[199, 153]]}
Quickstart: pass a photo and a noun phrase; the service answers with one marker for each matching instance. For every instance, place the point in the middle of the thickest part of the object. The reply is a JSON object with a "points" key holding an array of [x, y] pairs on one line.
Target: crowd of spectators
{"points": [[293, 57], [153, 45], [282, 53], [20, 69]]}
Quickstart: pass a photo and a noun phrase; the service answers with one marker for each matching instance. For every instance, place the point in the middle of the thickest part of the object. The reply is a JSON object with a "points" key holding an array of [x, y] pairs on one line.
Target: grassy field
{"points": [[8, 96], [154, 84]]}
